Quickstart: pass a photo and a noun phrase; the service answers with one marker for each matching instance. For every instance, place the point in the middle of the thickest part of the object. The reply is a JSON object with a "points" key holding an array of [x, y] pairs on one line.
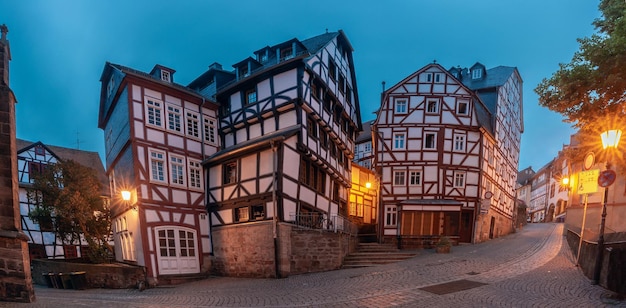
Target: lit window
{"points": [[194, 170], [429, 140], [173, 118], [459, 179], [398, 178], [242, 214], [192, 124], [398, 140], [432, 106], [157, 166], [415, 178], [177, 167], [401, 106], [154, 109]]}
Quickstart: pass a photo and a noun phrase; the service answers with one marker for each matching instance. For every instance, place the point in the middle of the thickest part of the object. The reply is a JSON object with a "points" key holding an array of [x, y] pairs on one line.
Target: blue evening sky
{"points": [[59, 49]]}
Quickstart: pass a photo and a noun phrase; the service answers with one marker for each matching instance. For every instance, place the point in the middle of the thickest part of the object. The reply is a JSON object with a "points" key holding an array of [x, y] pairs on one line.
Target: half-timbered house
{"points": [[32, 158], [157, 133], [287, 122], [447, 146]]}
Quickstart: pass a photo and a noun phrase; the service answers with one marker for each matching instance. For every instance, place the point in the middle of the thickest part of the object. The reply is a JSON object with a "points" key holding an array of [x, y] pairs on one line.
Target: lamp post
{"points": [[610, 140]]}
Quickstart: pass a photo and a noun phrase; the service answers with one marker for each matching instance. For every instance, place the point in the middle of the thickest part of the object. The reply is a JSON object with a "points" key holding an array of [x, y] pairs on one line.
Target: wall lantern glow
{"points": [[565, 181], [126, 195], [368, 185], [610, 138]]}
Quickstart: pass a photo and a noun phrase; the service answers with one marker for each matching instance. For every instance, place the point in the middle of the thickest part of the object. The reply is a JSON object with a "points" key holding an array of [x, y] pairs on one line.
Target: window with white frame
{"points": [[399, 141], [430, 139], [166, 76], [177, 170], [229, 172], [462, 107], [401, 106], [154, 111], [157, 166], [429, 77], [391, 215], [193, 124], [438, 77], [477, 73], [173, 118], [459, 143], [432, 105], [415, 178], [210, 131], [367, 147], [398, 178], [194, 170], [459, 179]]}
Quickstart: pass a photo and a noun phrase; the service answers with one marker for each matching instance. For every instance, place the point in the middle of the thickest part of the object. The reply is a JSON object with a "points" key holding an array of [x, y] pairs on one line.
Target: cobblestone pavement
{"points": [[531, 268]]}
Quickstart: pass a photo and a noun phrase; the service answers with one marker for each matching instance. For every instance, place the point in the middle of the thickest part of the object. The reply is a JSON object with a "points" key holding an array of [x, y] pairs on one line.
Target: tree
{"points": [[67, 195], [590, 91]]}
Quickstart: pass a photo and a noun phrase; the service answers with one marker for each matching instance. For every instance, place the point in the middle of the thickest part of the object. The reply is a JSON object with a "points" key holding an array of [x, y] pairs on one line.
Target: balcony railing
{"points": [[316, 221]]}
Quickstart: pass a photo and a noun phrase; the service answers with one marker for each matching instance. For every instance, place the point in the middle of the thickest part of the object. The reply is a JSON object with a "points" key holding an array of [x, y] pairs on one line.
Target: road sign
{"points": [[588, 181], [606, 178]]}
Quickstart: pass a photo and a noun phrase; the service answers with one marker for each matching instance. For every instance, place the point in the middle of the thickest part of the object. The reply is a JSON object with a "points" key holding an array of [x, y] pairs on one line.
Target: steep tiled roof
{"points": [[366, 134], [315, 43]]}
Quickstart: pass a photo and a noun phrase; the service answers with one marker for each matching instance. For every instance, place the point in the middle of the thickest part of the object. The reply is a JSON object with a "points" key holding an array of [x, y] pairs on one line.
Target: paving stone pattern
{"points": [[530, 268]]}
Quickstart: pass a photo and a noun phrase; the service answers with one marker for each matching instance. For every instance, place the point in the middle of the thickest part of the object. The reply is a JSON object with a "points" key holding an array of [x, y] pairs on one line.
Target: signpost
{"points": [[588, 181]]}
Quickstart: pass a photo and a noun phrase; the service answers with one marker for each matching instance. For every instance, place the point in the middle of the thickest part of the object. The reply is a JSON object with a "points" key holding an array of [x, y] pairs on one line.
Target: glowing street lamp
{"points": [[610, 140], [368, 185], [126, 194]]}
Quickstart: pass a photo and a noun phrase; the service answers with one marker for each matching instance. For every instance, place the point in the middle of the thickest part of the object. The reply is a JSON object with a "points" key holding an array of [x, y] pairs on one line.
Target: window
{"points": [[39, 150], [173, 118], [398, 178], [415, 178], [177, 167], [242, 214], [429, 141], [166, 76], [342, 83], [154, 109], [462, 107], [323, 137], [311, 127], [244, 71], [230, 172], [367, 147], [477, 73], [210, 131], [110, 86], [401, 106], [250, 97], [194, 170], [70, 252], [459, 143], [258, 212], [432, 106], [438, 77], [312, 176], [429, 77], [398, 141], [332, 69], [157, 166], [459, 179], [193, 124], [315, 90], [391, 212], [286, 53]]}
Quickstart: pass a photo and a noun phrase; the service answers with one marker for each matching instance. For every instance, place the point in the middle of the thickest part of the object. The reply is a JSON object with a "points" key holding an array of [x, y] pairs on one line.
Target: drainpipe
{"points": [[206, 196], [274, 205]]}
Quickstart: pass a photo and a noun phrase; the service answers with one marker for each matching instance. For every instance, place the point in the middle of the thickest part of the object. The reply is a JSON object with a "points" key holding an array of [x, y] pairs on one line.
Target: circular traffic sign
{"points": [[589, 161], [606, 178], [488, 195]]}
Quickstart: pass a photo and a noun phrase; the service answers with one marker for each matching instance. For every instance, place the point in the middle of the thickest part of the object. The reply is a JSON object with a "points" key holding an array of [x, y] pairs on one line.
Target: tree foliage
{"points": [[67, 195], [590, 91]]}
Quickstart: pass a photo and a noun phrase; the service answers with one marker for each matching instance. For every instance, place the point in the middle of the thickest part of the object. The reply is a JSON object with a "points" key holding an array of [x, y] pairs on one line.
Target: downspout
{"points": [[275, 209], [206, 178]]}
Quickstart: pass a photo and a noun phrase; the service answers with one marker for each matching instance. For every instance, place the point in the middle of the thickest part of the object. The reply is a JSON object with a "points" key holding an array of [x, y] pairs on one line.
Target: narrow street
{"points": [[531, 268]]}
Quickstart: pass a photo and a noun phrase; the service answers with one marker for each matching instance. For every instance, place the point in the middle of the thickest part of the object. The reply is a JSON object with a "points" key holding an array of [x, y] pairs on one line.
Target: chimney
{"points": [[216, 66], [5, 55]]}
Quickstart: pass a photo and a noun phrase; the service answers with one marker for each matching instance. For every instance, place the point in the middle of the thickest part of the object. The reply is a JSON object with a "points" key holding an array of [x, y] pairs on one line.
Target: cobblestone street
{"points": [[531, 268]]}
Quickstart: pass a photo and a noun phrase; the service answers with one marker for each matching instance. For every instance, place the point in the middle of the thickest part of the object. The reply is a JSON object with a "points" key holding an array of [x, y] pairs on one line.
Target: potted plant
{"points": [[443, 245]]}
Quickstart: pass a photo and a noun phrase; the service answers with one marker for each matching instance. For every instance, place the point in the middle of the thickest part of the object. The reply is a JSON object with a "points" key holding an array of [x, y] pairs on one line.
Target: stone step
{"points": [[372, 254]]}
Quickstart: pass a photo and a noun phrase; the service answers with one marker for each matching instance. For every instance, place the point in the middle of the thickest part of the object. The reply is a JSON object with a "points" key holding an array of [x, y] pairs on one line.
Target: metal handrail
{"points": [[316, 221]]}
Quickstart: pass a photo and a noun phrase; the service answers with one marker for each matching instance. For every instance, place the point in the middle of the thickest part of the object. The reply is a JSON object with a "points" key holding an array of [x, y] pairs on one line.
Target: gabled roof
{"points": [[366, 134], [494, 77], [85, 158]]}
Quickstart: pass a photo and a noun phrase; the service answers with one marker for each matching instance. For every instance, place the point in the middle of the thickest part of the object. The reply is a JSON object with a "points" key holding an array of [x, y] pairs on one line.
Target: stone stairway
{"points": [[372, 254]]}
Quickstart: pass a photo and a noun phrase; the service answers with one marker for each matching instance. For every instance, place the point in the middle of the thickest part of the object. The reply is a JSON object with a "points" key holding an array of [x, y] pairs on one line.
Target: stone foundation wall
{"points": [[107, 276], [248, 250], [503, 225]]}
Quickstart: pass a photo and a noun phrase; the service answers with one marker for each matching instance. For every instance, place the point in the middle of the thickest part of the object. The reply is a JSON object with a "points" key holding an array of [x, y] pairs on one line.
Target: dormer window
{"points": [[165, 76], [477, 73], [244, 72], [263, 57], [286, 53]]}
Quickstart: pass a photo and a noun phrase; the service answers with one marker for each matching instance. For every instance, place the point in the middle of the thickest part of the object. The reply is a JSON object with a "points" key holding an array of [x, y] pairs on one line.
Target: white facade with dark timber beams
{"points": [[447, 142], [288, 120], [157, 133]]}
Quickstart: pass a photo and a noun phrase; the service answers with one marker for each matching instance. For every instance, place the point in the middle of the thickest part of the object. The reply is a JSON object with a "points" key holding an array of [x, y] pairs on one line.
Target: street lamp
{"points": [[610, 140]]}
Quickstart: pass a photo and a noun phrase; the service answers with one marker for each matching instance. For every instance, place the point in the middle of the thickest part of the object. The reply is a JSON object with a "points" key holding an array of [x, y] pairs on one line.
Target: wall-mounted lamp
{"points": [[130, 198], [126, 194], [368, 185]]}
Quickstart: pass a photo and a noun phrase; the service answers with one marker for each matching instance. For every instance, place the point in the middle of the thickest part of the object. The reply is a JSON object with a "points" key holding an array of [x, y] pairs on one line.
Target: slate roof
{"points": [[85, 158], [366, 134], [494, 77]]}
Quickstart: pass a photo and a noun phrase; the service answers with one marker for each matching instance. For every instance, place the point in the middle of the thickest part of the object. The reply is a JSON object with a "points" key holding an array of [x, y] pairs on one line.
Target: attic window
{"points": [[286, 53], [165, 76], [39, 150], [477, 73]]}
